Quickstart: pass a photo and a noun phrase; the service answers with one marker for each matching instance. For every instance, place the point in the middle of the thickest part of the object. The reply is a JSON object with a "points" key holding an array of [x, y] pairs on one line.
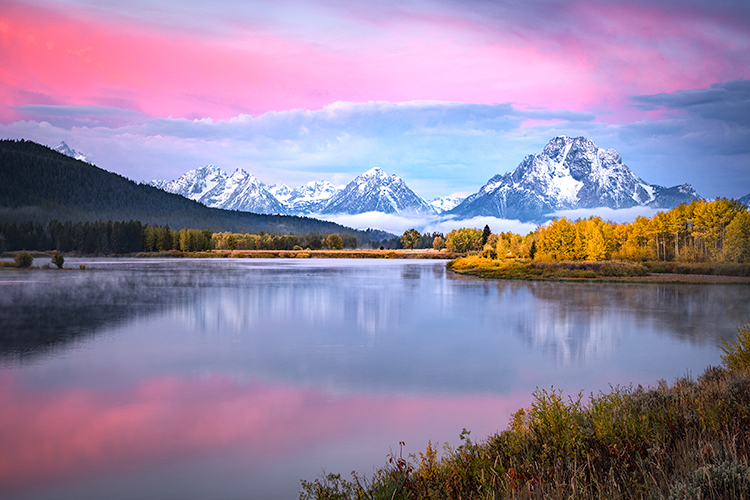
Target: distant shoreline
{"points": [[605, 271], [511, 270], [272, 254], [308, 254]]}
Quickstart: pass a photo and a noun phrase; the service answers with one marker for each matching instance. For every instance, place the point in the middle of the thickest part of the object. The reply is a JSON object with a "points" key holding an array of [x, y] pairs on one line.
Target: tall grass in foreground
{"points": [[686, 440]]}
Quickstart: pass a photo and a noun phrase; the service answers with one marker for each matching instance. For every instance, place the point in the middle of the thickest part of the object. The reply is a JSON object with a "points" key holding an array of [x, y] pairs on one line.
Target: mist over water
{"points": [[233, 378]]}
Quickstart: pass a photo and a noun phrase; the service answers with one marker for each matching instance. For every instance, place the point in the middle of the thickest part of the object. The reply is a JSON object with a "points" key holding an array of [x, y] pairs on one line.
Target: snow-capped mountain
{"points": [[444, 203], [376, 191], [372, 191], [569, 173], [280, 191], [310, 198], [215, 188], [746, 200], [68, 151]]}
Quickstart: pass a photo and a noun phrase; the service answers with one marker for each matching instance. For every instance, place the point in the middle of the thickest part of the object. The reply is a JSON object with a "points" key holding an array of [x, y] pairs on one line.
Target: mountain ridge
{"points": [[569, 173], [39, 184], [376, 191], [371, 191]]}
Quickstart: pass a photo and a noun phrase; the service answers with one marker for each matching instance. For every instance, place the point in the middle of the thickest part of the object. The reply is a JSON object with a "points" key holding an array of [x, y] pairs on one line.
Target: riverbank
{"points": [[309, 254], [262, 254], [686, 440], [648, 272]]}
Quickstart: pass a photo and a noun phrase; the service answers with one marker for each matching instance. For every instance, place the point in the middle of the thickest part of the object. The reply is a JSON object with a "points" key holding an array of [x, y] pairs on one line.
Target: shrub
{"points": [[58, 259], [737, 352], [334, 242], [726, 481], [23, 260]]}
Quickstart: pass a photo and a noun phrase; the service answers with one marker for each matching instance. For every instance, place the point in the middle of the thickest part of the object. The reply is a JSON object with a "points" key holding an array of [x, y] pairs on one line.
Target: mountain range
{"points": [[372, 191], [569, 173]]}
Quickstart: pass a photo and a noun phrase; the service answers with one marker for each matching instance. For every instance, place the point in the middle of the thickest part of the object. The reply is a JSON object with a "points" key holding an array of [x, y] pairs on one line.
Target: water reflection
{"points": [[69, 437], [216, 378], [577, 323], [289, 309]]}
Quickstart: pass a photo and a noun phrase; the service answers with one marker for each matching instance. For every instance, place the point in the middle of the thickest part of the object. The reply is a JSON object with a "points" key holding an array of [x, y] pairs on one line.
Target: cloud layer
{"points": [[443, 93]]}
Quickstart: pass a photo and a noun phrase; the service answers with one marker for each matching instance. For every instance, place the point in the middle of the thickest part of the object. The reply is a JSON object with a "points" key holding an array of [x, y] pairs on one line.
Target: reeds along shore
{"points": [[478, 265], [685, 440]]}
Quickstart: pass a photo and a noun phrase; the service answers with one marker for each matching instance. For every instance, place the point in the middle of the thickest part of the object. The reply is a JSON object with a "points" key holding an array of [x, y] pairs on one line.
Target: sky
{"points": [[443, 93]]}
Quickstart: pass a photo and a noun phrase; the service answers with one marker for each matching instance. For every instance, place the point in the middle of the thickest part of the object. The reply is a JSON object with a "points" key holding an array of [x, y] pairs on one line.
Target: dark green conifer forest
{"points": [[40, 187]]}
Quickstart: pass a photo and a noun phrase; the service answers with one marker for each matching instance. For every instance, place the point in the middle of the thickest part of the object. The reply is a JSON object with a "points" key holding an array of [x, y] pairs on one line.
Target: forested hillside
{"points": [[38, 184]]}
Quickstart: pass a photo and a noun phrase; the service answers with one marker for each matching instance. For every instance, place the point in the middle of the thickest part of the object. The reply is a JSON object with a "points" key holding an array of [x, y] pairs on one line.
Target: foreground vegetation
{"points": [[690, 439]]}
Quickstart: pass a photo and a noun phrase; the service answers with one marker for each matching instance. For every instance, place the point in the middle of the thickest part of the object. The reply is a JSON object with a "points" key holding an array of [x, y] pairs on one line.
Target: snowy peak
{"points": [[213, 187], [309, 198], [569, 173], [63, 148], [375, 172], [197, 184], [375, 191], [280, 191], [444, 203]]}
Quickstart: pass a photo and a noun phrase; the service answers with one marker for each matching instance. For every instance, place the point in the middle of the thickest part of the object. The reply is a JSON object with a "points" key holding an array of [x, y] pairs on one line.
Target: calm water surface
{"points": [[229, 379]]}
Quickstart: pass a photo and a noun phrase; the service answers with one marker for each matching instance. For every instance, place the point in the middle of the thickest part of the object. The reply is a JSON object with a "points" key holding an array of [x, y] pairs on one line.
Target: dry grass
{"points": [[687, 440], [314, 254], [524, 269]]}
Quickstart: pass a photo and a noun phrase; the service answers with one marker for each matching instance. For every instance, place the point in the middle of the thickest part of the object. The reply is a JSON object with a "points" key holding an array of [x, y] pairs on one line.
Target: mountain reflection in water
{"points": [[235, 378]]}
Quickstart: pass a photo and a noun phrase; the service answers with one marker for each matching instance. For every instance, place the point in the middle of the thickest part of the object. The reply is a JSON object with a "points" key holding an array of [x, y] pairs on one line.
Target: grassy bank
{"points": [[590, 270], [266, 254], [685, 440], [526, 269], [308, 254]]}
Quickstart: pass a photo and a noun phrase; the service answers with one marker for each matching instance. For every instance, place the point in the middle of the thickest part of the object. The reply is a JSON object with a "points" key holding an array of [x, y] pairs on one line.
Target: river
{"points": [[236, 378]]}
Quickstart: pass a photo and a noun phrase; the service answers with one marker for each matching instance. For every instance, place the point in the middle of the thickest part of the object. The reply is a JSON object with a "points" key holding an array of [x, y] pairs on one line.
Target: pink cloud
{"points": [[593, 57]]}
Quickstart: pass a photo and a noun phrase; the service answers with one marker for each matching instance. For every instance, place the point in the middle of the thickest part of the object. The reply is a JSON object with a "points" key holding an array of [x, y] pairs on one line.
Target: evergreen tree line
{"points": [[703, 231], [106, 238], [86, 237]]}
